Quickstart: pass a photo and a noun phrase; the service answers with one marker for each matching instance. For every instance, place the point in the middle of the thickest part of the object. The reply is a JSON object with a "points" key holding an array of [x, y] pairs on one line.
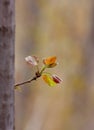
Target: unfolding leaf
{"points": [[49, 80], [18, 88], [32, 60], [56, 79], [50, 62]]}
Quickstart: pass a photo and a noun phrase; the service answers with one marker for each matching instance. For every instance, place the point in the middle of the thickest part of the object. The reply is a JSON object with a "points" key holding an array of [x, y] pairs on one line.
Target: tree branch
{"points": [[28, 81]]}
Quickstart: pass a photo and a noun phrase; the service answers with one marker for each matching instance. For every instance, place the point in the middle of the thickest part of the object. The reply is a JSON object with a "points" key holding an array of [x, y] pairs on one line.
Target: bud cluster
{"points": [[50, 62]]}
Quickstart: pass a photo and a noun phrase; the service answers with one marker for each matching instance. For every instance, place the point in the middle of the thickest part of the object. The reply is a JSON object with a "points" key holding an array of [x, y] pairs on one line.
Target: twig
{"points": [[28, 81]]}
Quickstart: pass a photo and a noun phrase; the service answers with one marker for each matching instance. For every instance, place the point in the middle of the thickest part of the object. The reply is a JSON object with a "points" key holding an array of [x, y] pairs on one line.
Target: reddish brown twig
{"points": [[28, 81]]}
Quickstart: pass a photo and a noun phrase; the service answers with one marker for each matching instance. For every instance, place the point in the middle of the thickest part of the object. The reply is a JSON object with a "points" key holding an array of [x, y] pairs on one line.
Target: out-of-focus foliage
{"points": [[63, 28]]}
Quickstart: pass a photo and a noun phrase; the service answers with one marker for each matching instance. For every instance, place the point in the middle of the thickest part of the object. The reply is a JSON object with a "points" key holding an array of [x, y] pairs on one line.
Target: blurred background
{"points": [[64, 28]]}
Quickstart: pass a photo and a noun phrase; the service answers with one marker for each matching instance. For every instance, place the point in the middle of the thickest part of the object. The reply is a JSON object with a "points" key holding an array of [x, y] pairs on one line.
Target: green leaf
{"points": [[18, 88], [49, 80]]}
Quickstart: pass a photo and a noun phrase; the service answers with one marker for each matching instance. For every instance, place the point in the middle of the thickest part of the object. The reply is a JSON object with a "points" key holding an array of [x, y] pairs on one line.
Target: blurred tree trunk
{"points": [[90, 67], [82, 100], [7, 32]]}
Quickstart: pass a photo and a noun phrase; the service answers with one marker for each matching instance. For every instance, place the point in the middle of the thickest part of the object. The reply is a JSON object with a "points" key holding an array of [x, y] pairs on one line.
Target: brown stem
{"points": [[28, 81]]}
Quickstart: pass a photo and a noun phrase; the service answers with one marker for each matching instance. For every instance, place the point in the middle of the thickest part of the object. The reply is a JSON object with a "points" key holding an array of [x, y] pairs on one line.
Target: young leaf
{"points": [[32, 60], [50, 62], [18, 88], [56, 79], [49, 80]]}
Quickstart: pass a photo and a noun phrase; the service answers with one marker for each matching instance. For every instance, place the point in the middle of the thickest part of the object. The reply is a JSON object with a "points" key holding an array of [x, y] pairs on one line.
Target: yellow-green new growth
{"points": [[49, 62]]}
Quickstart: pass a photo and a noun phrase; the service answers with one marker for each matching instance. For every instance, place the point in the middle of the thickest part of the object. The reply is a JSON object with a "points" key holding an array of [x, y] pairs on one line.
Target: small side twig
{"points": [[28, 81]]}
